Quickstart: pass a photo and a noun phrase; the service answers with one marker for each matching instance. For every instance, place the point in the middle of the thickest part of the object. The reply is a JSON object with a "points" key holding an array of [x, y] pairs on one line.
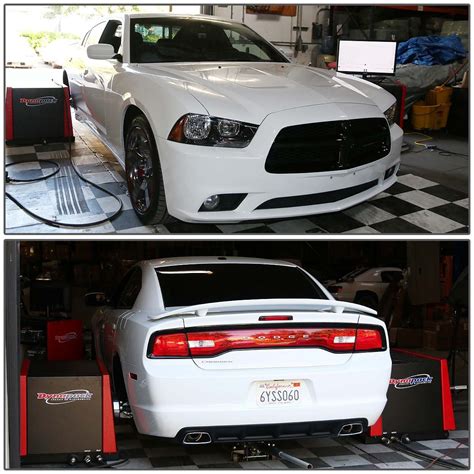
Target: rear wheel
{"points": [[367, 299], [143, 170]]}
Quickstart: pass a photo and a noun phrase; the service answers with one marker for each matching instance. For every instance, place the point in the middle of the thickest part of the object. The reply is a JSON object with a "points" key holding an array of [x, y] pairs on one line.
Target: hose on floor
{"points": [[51, 222]]}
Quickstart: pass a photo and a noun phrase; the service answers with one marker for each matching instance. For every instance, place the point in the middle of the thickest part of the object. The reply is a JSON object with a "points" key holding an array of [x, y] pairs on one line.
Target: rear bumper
{"points": [[172, 395], [273, 431]]}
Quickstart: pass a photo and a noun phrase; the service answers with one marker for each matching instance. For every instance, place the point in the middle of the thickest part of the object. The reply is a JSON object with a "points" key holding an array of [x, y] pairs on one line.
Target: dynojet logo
{"points": [[411, 381], [70, 396], [63, 338], [38, 101]]}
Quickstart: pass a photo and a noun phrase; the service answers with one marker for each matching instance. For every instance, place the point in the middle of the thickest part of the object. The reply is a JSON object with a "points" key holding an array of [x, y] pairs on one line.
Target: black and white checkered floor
{"points": [[412, 205], [323, 453], [145, 452]]}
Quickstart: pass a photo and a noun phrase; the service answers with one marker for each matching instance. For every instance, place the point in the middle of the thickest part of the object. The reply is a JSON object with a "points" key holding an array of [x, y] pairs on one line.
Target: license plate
{"points": [[284, 392]]}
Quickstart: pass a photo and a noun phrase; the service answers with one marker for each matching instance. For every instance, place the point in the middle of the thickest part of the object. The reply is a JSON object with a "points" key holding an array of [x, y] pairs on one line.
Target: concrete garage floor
{"points": [[450, 171], [430, 196]]}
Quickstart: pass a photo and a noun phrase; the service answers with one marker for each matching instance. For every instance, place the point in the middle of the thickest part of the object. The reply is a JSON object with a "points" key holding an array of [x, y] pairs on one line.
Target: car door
{"points": [[96, 76], [82, 79]]}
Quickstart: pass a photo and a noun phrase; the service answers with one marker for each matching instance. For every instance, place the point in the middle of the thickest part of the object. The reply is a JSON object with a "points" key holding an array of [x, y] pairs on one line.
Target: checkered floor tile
{"points": [[412, 205], [145, 452]]}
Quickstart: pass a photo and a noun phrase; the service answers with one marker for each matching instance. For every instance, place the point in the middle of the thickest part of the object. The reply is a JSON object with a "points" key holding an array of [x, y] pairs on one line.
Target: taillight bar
{"points": [[213, 342]]}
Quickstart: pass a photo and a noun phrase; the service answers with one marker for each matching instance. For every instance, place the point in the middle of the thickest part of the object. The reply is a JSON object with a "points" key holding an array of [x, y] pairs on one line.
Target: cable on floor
{"points": [[53, 173], [427, 138], [398, 446]]}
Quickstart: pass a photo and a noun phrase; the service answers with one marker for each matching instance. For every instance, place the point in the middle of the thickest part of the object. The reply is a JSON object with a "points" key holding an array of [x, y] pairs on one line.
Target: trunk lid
{"points": [[280, 329]]}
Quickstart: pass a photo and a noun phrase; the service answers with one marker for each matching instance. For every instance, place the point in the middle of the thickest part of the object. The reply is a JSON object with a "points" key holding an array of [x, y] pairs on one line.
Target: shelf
{"points": [[429, 9]]}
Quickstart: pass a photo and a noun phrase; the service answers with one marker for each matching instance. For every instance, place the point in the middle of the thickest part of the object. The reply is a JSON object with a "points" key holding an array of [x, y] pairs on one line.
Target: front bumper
{"points": [[193, 173]]}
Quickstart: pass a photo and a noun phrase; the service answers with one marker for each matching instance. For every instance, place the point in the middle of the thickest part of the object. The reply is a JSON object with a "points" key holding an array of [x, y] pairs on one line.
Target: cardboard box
{"points": [[439, 341], [406, 338]]}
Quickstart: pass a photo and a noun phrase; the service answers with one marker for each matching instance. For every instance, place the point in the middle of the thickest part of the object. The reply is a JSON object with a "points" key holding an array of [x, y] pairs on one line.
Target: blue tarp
{"points": [[430, 50]]}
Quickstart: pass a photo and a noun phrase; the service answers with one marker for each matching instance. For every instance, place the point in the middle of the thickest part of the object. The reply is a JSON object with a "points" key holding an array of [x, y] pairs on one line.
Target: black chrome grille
{"points": [[329, 146]]}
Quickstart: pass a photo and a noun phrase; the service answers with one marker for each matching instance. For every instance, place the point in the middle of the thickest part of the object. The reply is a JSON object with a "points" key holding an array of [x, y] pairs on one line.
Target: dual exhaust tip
{"points": [[197, 437], [203, 437], [351, 429]]}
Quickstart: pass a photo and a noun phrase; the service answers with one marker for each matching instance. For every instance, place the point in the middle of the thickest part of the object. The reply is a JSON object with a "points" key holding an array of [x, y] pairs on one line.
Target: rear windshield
{"points": [[187, 285]]}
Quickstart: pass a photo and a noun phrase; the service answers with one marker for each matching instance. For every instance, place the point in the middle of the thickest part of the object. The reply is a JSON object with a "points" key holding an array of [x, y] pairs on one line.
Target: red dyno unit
{"points": [[447, 412], [109, 445], [65, 340], [38, 115]]}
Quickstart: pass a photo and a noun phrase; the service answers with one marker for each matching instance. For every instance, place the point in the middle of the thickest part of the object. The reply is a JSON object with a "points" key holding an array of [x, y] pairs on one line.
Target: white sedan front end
{"points": [[249, 188]]}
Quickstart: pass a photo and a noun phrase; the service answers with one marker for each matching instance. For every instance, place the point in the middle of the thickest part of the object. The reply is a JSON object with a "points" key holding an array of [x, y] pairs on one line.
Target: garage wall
{"points": [[274, 28]]}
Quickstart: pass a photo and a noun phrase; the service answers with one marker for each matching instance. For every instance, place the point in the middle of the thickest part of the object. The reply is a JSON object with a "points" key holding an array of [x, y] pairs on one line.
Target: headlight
{"points": [[391, 114], [195, 129]]}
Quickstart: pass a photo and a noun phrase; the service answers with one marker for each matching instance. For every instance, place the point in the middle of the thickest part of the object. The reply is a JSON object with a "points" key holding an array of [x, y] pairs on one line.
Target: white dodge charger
{"points": [[213, 124], [222, 349]]}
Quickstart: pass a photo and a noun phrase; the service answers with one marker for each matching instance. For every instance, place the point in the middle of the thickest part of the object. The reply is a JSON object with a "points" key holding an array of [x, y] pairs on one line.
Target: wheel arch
{"points": [[132, 109], [370, 293], [118, 378]]}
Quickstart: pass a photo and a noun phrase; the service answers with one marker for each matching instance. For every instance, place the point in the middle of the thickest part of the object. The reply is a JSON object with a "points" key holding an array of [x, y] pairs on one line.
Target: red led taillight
{"points": [[212, 343], [170, 345], [368, 340]]}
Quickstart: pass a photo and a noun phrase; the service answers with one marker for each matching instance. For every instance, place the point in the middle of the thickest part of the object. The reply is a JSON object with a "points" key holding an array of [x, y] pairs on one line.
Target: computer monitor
{"points": [[47, 295], [367, 57]]}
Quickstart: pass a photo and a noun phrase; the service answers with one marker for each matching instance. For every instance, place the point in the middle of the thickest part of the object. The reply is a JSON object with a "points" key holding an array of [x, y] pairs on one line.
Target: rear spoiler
{"points": [[275, 304]]}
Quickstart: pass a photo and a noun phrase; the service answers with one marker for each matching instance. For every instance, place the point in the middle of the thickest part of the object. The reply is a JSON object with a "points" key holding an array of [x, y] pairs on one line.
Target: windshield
{"points": [[353, 274], [158, 40], [187, 285]]}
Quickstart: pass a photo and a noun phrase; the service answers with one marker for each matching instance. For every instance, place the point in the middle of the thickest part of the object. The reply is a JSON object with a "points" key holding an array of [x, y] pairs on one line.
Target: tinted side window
{"points": [[112, 34], [129, 289], [389, 277]]}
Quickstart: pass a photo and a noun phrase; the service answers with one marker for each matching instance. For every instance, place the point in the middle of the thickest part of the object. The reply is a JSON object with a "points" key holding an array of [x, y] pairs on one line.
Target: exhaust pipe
{"points": [[289, 458], [197, 437], [351, 429]]}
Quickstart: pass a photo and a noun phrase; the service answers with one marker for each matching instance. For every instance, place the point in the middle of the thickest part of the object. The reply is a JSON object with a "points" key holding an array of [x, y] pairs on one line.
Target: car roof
{"points": [[166, 262], [177, 15]]}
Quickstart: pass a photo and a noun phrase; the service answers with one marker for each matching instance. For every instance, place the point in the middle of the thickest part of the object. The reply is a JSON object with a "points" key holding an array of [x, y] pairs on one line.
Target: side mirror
{"points": [[95, 298], [100, 51]]}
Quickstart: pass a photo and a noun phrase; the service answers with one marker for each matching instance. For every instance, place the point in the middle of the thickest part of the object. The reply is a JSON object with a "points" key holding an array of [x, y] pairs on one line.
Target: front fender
{"points": [[162, 102]]}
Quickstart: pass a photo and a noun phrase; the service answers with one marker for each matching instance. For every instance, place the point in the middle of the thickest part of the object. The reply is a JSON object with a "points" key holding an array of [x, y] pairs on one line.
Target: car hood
{"points": [[251, 91]]}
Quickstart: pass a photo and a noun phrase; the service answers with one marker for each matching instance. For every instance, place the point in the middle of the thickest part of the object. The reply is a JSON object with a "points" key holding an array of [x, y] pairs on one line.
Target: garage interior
{"points": [[431, 195], [425, 309]]}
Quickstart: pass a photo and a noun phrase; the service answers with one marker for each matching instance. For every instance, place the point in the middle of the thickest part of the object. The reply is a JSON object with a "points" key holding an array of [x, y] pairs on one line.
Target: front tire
{"points": [[144, 175]]}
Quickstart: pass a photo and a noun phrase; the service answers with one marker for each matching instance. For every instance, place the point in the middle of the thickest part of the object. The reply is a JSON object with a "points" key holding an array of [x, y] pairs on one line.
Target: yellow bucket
{"points": [[439, 95], [429, 117]]}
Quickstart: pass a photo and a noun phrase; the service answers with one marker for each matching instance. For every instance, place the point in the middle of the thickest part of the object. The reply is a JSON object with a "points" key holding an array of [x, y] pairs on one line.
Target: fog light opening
{"points": [[212, 202]]}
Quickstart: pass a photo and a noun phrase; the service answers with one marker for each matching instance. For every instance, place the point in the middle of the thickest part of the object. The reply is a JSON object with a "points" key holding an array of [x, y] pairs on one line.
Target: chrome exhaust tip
{"points": [[351, 429], [197, 437]]}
